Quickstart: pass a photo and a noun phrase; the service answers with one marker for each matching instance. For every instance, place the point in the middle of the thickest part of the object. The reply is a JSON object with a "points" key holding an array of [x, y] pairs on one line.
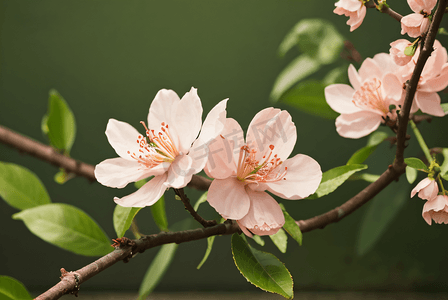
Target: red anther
{"points": [[222, 136], [271, 147]]}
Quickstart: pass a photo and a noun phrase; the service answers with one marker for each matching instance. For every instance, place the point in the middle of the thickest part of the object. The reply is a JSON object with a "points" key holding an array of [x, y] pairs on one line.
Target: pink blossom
{"points": [[354, 9], [417, 23], [243, 171], [170, 151], [397, 52], [426, 189], [366, 104], [434, 78], [436, 209]]}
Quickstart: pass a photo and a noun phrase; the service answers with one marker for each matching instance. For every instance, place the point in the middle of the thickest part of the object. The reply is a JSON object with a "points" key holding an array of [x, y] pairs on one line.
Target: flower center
{"points": [[369, 97], [155, 148], [251, 170]]}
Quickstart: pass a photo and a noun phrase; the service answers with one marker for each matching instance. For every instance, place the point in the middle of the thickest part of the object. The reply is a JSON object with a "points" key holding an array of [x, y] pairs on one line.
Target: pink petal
{"points": [[435, 64], [302, 178], [213, 125], [357, 125], [421, 185], [244, 229], [392, 87], [118, 172], [123, 138], [339, 97], [427, 189], [412, 20], [354, 78], [370, 69], [436, 204], [265, 217], [355, 20], [438, 83], [147, 195], [224, 151], [429, 103], [385, 63], [186, 119], [272, 127], [350, 5], [416, 5], [229, 198], [180, 172]]}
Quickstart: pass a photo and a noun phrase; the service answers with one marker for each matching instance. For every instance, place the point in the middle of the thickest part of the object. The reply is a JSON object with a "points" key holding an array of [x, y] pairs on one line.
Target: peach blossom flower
{"points": [[244, 171], [436, 209], [426, 189], [417, 23], [365, 105], [397, 52], [169, 151], [434, 78], [354, 9]]}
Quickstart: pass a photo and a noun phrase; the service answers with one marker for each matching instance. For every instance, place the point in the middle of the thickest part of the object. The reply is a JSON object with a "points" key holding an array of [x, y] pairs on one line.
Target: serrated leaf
{"points": [[123, 217], [444, 166], [210, 241], [291, 226], [67, 227], [380, 213], [335, 177], [257, 239], [415, 163], [308, 96], [297, 70], [157, 269], [411, 174], [159, 214], [362, 154], [60, 122], [12, 289], [317, 38], [262, 269], [201, 200], [21, 188], [280, 239]]}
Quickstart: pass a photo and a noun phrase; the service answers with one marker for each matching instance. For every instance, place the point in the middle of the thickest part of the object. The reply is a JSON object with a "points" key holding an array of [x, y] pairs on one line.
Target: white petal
{"points": [[123, 138], [147, 195], [180, 172], [229, 198]]}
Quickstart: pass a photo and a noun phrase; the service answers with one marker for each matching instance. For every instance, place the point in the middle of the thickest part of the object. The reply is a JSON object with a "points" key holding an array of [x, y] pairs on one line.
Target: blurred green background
{"points": [[108, 59]]}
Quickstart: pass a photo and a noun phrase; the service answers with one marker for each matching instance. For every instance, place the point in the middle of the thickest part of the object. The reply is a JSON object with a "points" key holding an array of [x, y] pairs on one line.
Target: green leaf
{"points": [[291, 226], [12, 289], [140, 183], [257, 239], [444, 107], [262, 269], [337, 75], [444, 166], [159, 214], [333, 178], [44, 126], [60, 122], [411, 174], [410, 50], [21, 188], [362, 154], [415, 163], [157, 269], [317, 38], [280, 239], [123, 217], [382, 210], [308, 96], [210, 241], [297, 70], [201, 200], [365, 176], [67, 227]]}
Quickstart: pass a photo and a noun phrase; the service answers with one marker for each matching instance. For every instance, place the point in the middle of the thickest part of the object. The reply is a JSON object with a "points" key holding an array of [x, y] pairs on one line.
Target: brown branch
{"points": [[385, 10], [190, 209], [47, 153], [411, 88]]}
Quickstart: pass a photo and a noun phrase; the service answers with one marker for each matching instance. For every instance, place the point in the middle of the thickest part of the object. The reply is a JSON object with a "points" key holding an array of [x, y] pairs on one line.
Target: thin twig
{"points": [[385, 10], [190, 209]]}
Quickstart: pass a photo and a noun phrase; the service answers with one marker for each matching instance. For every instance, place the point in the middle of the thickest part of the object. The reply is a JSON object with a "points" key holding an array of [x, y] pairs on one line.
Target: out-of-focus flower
{"points": [[170, 151], [433, 79], [397, 52], [426, 189], [436, 209], [354, 9], [417, 23], [364, 106], [244, 171]]}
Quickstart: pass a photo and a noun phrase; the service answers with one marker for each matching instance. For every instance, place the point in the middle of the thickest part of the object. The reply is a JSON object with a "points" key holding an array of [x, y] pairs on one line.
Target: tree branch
{"points": [[190, 209], [386, 10], [47, 153]]}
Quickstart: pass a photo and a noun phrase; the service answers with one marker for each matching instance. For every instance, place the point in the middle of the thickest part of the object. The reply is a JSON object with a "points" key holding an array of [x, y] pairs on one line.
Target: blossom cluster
{"points": [[436, 208], [171, 152], [377, 89]]}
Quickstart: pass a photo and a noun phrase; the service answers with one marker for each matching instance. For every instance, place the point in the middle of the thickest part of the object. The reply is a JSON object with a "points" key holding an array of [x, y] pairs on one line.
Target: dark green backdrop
{"points": [[108, 59]]}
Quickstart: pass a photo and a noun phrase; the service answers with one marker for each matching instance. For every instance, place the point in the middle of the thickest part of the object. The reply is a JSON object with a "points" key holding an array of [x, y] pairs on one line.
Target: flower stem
{"points": [[421, 141], [190, 209]]}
